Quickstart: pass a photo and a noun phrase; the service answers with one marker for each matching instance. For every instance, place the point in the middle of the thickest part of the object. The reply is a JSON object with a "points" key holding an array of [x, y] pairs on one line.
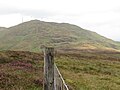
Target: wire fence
{"points": [[59, 83], [53, 79]]}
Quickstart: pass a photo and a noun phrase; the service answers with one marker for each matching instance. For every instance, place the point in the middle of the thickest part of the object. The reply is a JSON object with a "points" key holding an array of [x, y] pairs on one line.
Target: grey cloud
{"points": [[29, 12], [37, 13], [116, 10], [5, 11]]}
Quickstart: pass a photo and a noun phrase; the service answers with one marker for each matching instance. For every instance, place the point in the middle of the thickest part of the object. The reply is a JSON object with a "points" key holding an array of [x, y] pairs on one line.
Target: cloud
{"points": [[27, 12], [101, 16]]}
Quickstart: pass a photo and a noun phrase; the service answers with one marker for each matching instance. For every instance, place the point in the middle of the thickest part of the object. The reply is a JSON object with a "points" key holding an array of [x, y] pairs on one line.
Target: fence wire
{"points": [[59, 83]]}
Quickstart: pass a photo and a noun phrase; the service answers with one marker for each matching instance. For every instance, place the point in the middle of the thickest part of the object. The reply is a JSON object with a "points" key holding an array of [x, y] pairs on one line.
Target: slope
{"points": [[21, 70], [2, 28], [33, 34]]}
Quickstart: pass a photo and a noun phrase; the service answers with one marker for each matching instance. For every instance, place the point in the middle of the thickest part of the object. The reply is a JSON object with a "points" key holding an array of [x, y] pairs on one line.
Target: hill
{"points": [[2, 28], [31, 35]]}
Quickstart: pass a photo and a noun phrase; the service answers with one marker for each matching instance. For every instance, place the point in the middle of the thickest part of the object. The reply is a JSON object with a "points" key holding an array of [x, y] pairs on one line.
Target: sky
{"points": [[101, 16]]}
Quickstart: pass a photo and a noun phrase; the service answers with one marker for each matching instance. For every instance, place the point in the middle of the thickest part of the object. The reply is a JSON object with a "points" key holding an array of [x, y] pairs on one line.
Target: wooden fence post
{"points": [[48, 68]]}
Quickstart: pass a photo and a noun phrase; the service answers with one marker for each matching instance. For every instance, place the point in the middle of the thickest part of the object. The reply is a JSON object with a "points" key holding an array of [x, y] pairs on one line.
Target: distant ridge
{"points": [[31, 35], [2, 28]]}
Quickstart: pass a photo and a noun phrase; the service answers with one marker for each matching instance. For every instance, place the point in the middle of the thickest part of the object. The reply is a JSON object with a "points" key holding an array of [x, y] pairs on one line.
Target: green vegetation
{"points": [[30, 36], [2, 28], [21, 71], [82, 57], [90, 71], [82, 70]]}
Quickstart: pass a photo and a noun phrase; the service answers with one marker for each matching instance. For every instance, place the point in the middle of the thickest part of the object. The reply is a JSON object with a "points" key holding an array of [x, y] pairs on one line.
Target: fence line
{"points": [[53, 79], [58, 80]]}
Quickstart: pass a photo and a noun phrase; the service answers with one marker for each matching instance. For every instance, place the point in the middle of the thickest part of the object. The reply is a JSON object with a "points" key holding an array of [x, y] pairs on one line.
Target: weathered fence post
{"points": [[48, 68]]}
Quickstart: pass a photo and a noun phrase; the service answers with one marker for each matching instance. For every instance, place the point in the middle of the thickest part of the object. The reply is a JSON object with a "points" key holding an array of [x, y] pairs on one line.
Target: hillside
{"points": [[82, 70], [21, 70], [2, 28], [31, 35]]}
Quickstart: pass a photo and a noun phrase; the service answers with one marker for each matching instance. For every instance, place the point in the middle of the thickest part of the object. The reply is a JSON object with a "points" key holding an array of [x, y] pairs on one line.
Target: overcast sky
{"points": [[101, 16]]}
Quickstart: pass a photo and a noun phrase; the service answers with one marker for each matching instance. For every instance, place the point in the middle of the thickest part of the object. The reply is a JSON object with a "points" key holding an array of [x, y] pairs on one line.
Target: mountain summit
{"points": [[33, 34]]}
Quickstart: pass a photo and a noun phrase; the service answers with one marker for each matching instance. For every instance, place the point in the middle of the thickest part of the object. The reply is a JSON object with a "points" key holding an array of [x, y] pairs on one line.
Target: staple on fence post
{"points": [[48, 68]]}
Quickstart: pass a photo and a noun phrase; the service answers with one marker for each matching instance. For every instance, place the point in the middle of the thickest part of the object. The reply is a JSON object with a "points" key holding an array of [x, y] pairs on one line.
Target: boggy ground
{"points": [[21, 70], [90, 69], [81, 69]]}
